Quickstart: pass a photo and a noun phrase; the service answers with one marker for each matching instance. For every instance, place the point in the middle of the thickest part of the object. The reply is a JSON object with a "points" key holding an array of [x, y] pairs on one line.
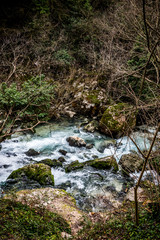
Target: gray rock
{"points": [[63, 152], [89, 146], [106, 144], [32, 152], [76, 141], [130, 163]]}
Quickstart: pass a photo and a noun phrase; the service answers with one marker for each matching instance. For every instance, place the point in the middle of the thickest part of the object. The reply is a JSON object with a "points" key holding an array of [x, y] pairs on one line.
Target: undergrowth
{"points": [[19, 222], [122, 226]]}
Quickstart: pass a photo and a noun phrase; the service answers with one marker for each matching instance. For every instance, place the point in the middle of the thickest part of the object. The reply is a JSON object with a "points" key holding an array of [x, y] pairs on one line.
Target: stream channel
{"points": [[93, 189]]}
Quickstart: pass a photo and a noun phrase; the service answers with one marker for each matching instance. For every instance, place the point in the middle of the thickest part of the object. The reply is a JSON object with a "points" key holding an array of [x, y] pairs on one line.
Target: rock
{"points": [[66, 235], [141, 195], [68, 112], [117, 120], [63, 152], [30, 176], [130, 163], [76, 141], [99, 163], [106, 144], [8, 154], [32, 152], [104, 163], [74, 166], [92, 126], [51, 163], [61, 159], [0, 147], [89, 146], [53, 200], [5, 166]]}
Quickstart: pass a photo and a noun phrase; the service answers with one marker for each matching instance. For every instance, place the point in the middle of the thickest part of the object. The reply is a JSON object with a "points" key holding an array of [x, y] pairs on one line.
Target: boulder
{"points": [[76, 141], [63, 152], [51, 163], [117, 120], [92, 126], [5, 166], [99, 163], [142, 197], [53, 200], [89, 146], [104, 163], [130, 163], [30, 176], [32, 152], [61, 159], [75, 165]]}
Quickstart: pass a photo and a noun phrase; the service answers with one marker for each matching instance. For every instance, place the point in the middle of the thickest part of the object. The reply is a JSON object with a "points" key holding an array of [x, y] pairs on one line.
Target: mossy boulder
{"points": [[52, 200], [118, 120], [99, 163], [130, 163], [104, 163], [30, 176], [52, 163], [74, 166]]}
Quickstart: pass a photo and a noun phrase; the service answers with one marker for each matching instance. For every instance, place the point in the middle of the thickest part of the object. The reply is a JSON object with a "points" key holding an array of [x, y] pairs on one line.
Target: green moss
{"points": [[93, 99], [38, 172], [74, 166], [117, 118], [20, 222], [99, 163], [104, 163], [51, 163]]}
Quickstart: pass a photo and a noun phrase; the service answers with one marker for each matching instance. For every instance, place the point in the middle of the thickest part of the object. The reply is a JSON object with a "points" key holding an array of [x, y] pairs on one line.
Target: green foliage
{"points": [[42, 6], [123, 228], [64, 57], [61, 10], [19, 222], [139, 55], [34, 95]]}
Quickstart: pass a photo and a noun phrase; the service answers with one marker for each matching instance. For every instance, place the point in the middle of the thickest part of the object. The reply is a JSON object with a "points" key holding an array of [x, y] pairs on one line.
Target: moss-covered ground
{"points": [[121, 226], [20, 222]]}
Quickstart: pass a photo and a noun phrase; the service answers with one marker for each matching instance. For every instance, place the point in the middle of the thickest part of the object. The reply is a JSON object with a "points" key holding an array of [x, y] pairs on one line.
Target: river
{"points": [[90, 187]]}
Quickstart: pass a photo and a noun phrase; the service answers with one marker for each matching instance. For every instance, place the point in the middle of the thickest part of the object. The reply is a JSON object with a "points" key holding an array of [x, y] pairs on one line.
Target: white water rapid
{"points": [[91, 188]]}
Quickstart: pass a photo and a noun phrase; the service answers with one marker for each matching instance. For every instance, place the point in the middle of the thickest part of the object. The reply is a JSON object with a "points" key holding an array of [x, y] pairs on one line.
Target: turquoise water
{"points": [[91, 188]]}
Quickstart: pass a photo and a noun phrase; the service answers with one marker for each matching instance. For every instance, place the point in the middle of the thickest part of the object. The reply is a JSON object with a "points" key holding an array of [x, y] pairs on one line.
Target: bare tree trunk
{"points": [[141, 175]]}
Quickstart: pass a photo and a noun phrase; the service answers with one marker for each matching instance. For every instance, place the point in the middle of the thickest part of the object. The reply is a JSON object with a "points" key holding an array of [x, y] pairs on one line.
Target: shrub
{"points": [[32, 97]]}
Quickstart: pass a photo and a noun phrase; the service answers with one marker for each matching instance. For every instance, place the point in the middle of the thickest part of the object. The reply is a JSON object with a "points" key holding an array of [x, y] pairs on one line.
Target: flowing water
{"points": [[92, 189]]}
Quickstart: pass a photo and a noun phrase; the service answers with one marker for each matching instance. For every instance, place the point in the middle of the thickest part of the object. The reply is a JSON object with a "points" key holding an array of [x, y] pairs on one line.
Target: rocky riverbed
{"points": [[77, 166]]}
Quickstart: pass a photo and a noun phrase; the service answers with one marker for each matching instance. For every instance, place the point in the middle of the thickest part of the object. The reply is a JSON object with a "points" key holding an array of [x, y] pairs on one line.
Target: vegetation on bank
{"points": [[59, 49], [18, 222], [121, 226]]}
